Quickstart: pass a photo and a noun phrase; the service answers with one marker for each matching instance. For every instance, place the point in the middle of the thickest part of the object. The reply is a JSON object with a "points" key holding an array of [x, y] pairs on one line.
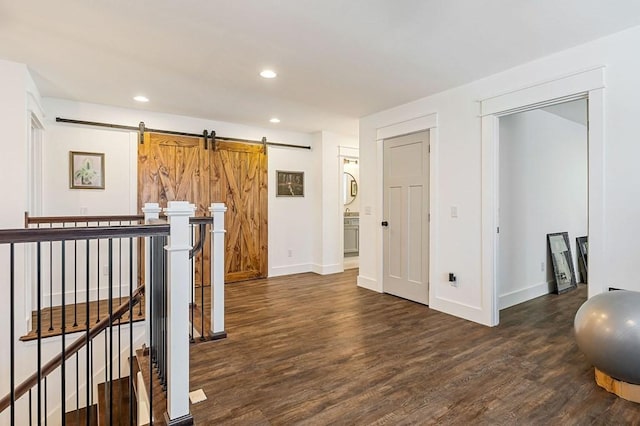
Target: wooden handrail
{"points": [[78, 344], [32, 235], [28, 220]]}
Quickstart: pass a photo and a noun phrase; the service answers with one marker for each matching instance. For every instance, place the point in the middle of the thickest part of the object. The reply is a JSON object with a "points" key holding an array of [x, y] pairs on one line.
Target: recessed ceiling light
{"points": [[274, 120], [141, 98], [268, 74]]}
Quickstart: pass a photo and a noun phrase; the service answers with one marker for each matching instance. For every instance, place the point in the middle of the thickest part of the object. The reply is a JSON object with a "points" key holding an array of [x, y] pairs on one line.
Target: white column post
{"points": [[217, 271], [151, 213], [178, 272]]}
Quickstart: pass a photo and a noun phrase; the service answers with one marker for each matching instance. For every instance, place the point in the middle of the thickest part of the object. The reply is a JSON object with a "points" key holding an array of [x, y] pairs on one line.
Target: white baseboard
{"points": [[351, 262], [368, 283], [522, 295], [278, 271], [326, 269]]}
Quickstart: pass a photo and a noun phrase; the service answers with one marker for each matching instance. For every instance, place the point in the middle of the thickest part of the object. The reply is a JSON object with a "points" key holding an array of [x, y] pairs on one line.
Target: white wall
{"points": [[120, 151], [456, 154], [19, 100], [291, 222], [331, 206], [543, 189]]}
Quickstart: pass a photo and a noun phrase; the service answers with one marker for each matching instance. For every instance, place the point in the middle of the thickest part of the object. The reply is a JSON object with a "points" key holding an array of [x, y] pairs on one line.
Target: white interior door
{"points": [[406, 217]]}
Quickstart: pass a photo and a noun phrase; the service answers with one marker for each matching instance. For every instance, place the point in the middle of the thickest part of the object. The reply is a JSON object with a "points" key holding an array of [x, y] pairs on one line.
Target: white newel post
{"points": [[217, 270], [151, 213], [178, 273]]}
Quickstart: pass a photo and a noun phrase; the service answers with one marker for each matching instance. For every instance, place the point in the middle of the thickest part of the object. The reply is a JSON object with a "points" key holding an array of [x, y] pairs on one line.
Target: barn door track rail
{"points": [[141, 128]]}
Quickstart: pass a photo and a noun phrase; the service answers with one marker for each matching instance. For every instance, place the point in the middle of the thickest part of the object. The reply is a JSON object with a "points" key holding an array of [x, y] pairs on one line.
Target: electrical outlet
{"points": [[542, 267], [84, 210], [105, 270], [290, 253], [453, 280]]}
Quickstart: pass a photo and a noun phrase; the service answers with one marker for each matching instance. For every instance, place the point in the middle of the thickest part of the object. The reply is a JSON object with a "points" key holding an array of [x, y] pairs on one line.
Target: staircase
{"points": [[96, 368]]}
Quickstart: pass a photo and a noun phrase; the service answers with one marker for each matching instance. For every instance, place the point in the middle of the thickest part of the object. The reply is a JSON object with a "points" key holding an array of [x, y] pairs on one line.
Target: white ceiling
{"points": [[337, 60]]}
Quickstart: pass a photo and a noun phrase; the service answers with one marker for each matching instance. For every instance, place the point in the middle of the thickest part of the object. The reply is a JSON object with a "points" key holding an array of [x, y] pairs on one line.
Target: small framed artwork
{"points": [[562, 261], [354, 188], [290, 184], [86, 170]]}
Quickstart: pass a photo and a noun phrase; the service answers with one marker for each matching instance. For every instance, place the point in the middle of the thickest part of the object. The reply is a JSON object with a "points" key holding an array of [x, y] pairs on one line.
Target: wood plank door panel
{"points": [[179, 168], [176, 168], [239, 179]]}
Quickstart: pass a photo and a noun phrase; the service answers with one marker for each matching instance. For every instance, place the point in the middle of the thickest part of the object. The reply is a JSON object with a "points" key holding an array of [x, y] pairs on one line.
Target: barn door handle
{"points": [[385, 223]]}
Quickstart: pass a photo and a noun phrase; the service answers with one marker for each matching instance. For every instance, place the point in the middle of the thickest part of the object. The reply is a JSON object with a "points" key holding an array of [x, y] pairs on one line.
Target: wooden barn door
{"points": [[239, 179], [179, 168], [174, 168]]}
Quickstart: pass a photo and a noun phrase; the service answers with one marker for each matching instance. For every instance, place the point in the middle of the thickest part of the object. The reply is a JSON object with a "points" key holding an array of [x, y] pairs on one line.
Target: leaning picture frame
{"points": [[560, 250], [86, 170], [289, 184], [582, 247]]}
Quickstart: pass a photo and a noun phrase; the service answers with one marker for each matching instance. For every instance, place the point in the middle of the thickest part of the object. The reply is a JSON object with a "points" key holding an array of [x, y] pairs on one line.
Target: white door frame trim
{"points": [[418, 124], [588, 84]]}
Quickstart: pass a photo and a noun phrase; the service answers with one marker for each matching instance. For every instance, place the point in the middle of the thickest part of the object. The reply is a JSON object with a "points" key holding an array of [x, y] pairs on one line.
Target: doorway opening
{"points": [[349, 181], [542, 188]]}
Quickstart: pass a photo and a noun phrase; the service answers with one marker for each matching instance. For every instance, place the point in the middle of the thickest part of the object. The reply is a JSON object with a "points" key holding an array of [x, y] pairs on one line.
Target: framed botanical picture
{"points": [[290, 184], [86, 170]]}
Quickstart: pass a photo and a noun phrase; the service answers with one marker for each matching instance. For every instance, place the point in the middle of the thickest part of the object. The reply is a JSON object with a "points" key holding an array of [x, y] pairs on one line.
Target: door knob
{"points": [[385, 223]]}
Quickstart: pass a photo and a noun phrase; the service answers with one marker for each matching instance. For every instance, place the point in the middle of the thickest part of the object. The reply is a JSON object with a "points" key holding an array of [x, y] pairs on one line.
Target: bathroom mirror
{"points": [[350, 188]]}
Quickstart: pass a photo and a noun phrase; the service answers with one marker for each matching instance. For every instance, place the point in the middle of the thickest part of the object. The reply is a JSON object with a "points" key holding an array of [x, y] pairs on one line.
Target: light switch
{"points": [[454, 211]]}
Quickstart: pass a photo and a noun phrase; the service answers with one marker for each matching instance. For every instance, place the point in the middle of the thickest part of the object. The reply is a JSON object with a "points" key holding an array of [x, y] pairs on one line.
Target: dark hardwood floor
{"points": [[309, 349]]}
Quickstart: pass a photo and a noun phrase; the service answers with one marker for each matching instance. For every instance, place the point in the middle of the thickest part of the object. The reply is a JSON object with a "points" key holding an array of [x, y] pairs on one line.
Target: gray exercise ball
{"points": [[607, 330]]}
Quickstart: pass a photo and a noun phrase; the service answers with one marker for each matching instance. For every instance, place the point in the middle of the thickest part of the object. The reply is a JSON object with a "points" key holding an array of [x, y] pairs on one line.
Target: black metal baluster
{"points": [[164, 324], [91, 381], [164, 319], [78, 388], [192, 284], [45, 402], [131, 378], [63, 365], [51, 286], [141, 260], [202, 333], [12, 315], [110, 302], [88, 346], [120, 303], [150, 286], [98, 275], [30, 408], [75, 283], [107, 364], [39, 320]]}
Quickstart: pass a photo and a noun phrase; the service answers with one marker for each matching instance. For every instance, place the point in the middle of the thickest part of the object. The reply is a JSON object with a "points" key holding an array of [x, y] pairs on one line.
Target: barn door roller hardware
{"points": [[140, 132], [142, 128]]}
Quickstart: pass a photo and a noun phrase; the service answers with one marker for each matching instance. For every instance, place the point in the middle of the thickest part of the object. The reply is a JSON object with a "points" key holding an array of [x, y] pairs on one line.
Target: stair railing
{"points": [[49, 386]]}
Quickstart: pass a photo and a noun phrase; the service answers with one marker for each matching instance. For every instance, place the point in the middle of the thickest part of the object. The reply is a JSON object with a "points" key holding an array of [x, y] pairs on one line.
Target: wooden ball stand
{"points": [[624, 390]]}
